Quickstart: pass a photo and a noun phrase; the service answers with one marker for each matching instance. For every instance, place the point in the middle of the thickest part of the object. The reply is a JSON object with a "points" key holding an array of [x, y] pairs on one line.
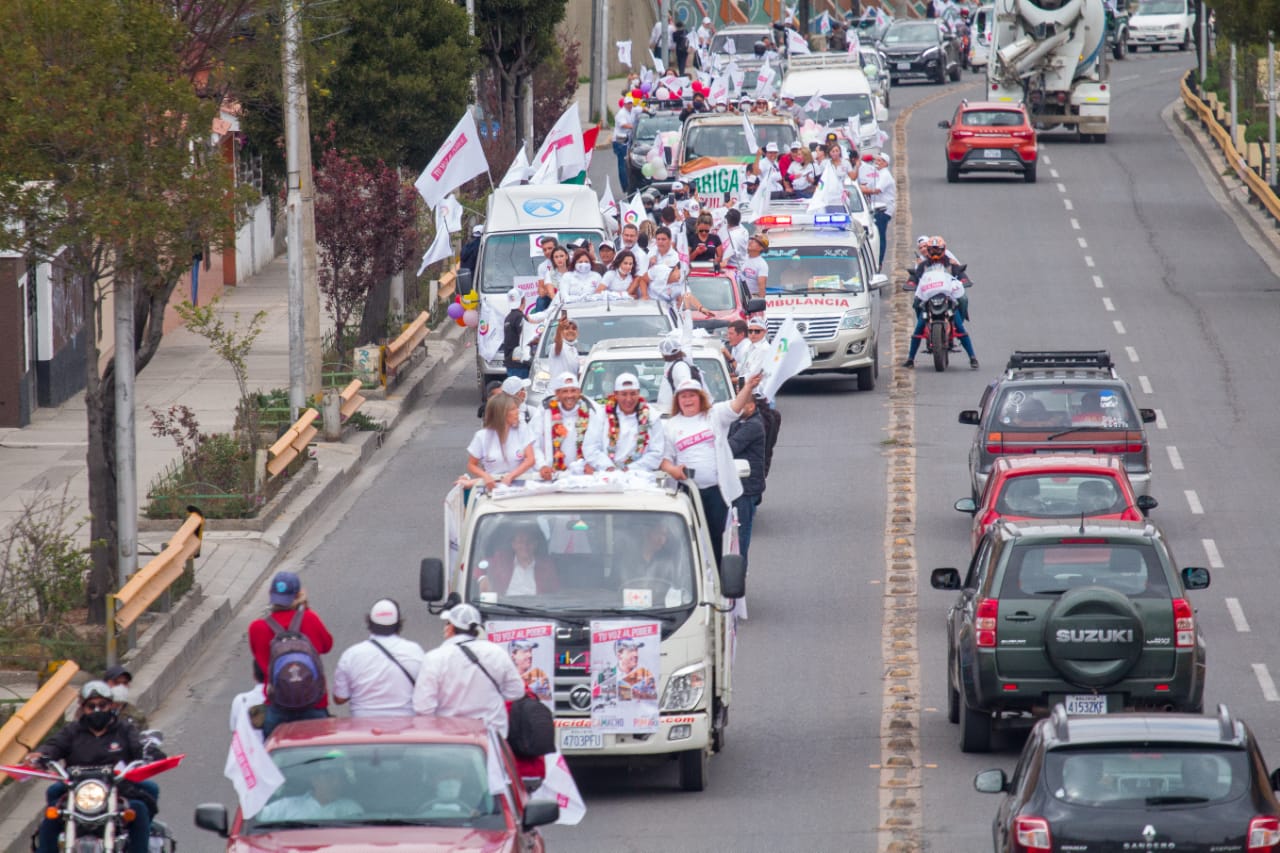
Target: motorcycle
{"points": [[939, 335], [93, 812]]}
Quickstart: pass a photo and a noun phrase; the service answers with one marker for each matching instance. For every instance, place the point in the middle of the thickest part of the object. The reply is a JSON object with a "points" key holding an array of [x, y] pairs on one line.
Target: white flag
{"points": [[796, 43], [828, 193], [633, 213], [736, 75], [608, 205], [547, 172], [817, 102], [459, 160], [624, 52], [764, 83], [517, 171], [451, 209], [558, 787], [750, 134], [729, 47], [854, 44], [755, 207], [824, 23], [790, 356], [250, 768], [855, 130], [719, 90], [441, 248], [565, 141]]}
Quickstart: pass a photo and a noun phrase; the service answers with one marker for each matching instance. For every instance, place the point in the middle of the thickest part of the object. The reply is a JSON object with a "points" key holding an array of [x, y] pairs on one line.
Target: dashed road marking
{"points": [[1046, 159], [1237, 615], [1084, 244], [1097, 281], [1264, 681], [1062, 188], [1193, 502], [1108, 304], [1126, 78], [1053, 173], [1075, 224], [1066, 202], [1161, 423], [1132, 353], [1211, 553], [1088, 261], [1175, 458], [1145, 383], [1119, 327]]}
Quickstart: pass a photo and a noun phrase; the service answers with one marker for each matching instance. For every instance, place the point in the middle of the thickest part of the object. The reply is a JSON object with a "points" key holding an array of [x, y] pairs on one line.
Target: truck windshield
{"points": [[598, 378], [1163, 7], [843, 107], [813, 269], [592, 329], [729, 142], [505, 256], [579, 562]]}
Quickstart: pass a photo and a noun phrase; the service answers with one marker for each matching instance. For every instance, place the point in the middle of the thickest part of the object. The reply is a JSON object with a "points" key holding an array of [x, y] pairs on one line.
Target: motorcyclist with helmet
{"points": [[97, 738], [935, 254]]}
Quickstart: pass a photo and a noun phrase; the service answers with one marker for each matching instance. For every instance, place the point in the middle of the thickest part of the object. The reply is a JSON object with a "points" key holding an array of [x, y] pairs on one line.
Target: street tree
{"points": [[106, 169], [515, 37]]}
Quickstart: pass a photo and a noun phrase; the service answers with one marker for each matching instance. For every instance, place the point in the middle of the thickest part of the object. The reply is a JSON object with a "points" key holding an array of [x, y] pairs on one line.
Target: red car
{"points": [[721, 297], [389, 784], [990, 137], [1060, 486]]}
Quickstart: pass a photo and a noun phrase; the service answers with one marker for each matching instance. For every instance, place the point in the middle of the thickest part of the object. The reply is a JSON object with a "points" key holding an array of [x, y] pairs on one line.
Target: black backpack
{"points": [[295, 675], [531, 727], [695, 372]]}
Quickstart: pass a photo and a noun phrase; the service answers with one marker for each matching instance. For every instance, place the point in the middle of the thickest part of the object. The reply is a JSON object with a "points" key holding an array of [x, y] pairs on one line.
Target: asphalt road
{"points": [[1192, 300]]}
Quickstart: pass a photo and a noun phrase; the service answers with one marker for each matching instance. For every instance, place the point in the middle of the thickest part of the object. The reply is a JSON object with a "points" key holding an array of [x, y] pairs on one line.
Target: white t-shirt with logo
{"points": [[751, 271], [691, 442], [495, 457]]}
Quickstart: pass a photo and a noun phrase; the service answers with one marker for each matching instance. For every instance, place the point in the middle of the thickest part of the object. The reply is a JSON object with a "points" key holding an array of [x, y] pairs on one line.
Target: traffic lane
{"points": [[1196, 306], [804, 720]]}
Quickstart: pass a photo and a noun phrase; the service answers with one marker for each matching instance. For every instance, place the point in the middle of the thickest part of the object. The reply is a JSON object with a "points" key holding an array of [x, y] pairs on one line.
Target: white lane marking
{"points": [[1145, 383], [1088, 261], [1053, 173], [1075, 224], [1119, 327], [1046, 159], [1193, 501], [1211, 551], [1083, 243], [1067, 203], [1107, 304], [1126, 78], [1062, 188], [1097, 281], [1175, 458], [1264, 681], [1161, 423], [1237, 615], [1132, 353]]}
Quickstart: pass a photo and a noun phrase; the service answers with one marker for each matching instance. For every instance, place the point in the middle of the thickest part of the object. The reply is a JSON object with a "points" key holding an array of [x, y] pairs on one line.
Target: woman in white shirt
{"points": [[621, 277], [501, 450], [564, 357], [581, 280], [801, 174], [697, 443], [548, 287]]}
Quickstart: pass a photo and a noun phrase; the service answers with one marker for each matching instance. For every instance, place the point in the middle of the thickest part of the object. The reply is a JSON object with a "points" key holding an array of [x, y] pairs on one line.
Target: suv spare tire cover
{"points": [[1093, 636]]}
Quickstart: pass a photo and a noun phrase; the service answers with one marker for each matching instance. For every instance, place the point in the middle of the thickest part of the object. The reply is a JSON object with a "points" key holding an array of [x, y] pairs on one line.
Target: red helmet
{"points": [[964, 13]]}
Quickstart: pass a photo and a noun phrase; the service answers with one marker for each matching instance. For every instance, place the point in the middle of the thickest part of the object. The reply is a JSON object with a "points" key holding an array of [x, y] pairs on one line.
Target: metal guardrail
{"points": [[397, 352], [30, 723], [351, 398], [448, 283], [292, 443], [1257, 186]]}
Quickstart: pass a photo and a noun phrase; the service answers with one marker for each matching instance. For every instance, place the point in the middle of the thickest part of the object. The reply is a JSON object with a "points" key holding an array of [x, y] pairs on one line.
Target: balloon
{"points": [[455, 310], [471, 300], [470, 317], [645, 90], [646, 170], [461, 322], [660, 171]]}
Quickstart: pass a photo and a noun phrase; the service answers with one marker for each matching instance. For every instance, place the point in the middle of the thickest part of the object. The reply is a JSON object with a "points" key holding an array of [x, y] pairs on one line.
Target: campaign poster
{"points": [[625, 659], [718, 186], [532, 646]]}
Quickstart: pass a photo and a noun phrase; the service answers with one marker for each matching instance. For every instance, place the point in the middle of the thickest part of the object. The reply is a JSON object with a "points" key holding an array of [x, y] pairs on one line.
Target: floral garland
{"points": [[642, 430], [559, 431]]}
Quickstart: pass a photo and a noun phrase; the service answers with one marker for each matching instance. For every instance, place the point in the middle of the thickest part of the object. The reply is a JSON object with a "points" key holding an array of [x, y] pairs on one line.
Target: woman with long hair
{"points": [[581, 280], [501, 450], [621, 277], [550, 286]]}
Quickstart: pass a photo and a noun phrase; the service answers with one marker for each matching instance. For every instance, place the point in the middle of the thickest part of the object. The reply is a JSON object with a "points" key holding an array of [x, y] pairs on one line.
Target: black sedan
{"points": [[922, 50]]}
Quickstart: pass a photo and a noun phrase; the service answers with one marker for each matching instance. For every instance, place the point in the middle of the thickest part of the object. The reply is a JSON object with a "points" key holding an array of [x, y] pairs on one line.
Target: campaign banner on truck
{"points": [[718, 186], [532, 646], [625, 662]]}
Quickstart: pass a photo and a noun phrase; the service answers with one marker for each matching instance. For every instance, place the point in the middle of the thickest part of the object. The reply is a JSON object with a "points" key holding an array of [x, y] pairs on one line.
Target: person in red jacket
{"points": [[287, 598]]}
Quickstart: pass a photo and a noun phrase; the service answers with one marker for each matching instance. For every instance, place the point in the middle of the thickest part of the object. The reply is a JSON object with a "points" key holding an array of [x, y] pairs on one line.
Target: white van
{"points": [[509, 253], [980, 37], [838, 78], [1159, 22]]}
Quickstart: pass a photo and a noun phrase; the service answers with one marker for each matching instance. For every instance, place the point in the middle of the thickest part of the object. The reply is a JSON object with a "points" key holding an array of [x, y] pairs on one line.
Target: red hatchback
{"points": [[389, 784], [718, 298], [1061, 486], [990, 137]]}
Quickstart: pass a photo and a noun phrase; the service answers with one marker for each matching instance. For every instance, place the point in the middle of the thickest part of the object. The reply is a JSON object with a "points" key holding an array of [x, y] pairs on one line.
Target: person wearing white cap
{"points": [[772, 180], [466, 675], [881, 192], [560, 428], [704, 34], [697, 448], [501, 450], [377, 675], [513, 349], [627, 436], [758, 355], [678, 368], [792, 110]]}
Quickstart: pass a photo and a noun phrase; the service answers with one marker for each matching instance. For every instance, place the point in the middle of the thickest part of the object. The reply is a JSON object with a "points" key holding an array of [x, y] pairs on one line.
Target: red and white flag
{"points": [[559, 787], [565, 142], [250, 768], [459, 160]]}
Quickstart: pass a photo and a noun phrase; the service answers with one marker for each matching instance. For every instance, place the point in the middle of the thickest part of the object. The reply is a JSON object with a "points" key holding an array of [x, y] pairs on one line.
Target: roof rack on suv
{"points": [[1023, 359]]}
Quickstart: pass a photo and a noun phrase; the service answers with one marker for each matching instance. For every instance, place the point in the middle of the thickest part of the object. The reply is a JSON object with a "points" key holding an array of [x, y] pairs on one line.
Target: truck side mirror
{"points": [[1146, 503], [1148, 415], [969, 416], [213, 817], [540, 813], [1195, 577], [431, 579], [944, 579], [733, 576], [879, 281], [465, 282], [756, 306], [968, 505]]}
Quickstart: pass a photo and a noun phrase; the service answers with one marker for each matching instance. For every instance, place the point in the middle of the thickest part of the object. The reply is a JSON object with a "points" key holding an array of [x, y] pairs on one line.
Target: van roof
{"points": [[844, 79], [558, 207]]}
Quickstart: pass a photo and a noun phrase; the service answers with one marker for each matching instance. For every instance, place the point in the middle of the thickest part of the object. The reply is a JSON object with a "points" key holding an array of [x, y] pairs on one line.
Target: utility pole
{"points": [[304, 298], [1271, 107], [605, 44], [663, 7], [1233, 99], [1204, 42], [126, 447]]}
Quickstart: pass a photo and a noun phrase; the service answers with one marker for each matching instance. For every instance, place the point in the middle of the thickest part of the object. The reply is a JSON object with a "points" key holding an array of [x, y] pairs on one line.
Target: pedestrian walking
{"points": [[624, 122], [377, 675], [278, 642], [747, 442]]}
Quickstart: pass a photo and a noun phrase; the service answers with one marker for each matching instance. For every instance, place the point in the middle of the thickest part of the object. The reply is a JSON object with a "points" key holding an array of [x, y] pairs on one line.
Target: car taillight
{"points": [[1119, 448], [1023, 134], [1264, 835], [962, 134], [1031, 835], [1184, 624], [985, 622]]}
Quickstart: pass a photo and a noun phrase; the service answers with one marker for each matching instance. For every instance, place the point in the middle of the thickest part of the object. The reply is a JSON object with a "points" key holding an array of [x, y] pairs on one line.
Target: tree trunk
{"points": [[100, 413], [373, 319]]}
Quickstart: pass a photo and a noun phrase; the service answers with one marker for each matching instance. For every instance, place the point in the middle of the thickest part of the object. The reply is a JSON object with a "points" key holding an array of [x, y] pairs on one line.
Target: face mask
{"points": [[448, 789], [120, 694], [583, 267], [98, 720]]}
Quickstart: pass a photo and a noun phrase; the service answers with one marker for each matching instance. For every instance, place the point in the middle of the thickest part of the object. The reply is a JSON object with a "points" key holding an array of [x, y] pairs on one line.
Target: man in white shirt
{"points": [[450, 684], [377, 676], [882, 196], [758, 355], [664, 253], [704, 34], [624, 121], [548, 244], [630, 234], [733, 247], [739, 344], [558, 425], [628, 435]]}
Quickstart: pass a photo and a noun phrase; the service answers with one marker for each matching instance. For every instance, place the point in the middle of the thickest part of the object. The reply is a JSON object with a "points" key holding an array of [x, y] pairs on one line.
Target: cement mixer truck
{"points": [[1051, 56]]}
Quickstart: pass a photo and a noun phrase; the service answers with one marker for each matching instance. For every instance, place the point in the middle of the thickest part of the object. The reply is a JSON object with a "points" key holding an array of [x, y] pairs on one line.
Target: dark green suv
{"points": [[1093, 615]]}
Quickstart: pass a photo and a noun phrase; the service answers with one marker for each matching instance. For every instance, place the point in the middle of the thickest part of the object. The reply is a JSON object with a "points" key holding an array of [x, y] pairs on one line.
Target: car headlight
{"points": [[91, 797], [685, 688], [1172, 28], [928, 53], [858, 318]]}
